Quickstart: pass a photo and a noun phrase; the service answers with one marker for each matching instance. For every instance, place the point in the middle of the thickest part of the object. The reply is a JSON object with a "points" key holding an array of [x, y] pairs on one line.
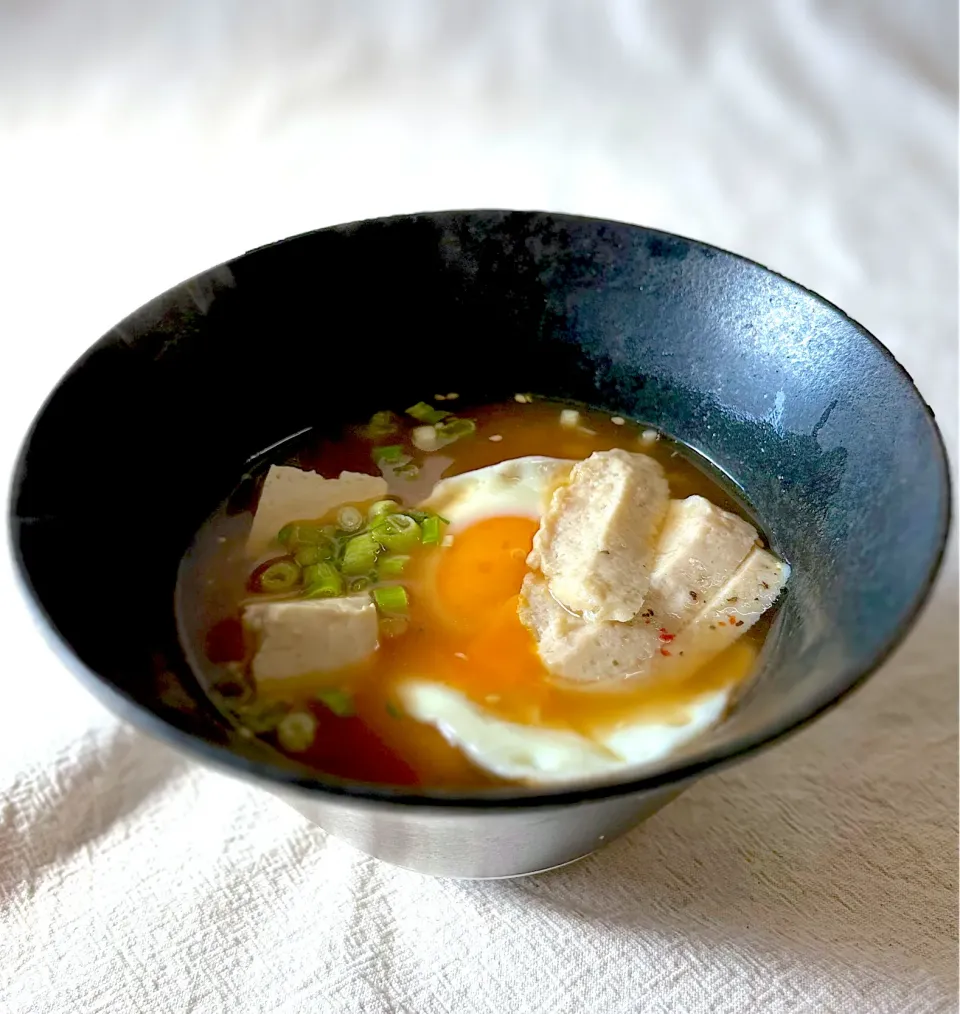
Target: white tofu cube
{"points": [[303, 636]]}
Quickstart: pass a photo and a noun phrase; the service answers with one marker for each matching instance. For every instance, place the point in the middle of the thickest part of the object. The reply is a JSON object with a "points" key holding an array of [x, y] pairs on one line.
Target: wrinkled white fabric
{"points": [[140, 143]]}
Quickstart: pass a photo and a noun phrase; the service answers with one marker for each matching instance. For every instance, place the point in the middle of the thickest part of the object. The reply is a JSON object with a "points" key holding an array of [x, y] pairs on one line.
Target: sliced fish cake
{"points": [[581, 651], [732, 610], [700, 548], [596, 543]]}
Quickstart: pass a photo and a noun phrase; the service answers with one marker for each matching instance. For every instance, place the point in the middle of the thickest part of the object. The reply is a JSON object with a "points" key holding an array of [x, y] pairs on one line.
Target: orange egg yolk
{"points": [[472, 637], [483, 568]]}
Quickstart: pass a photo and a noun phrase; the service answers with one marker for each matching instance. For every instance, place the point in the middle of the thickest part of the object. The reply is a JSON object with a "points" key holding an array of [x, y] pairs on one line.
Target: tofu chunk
{"points": [[580, 650], [596, 543], [291, 494], [310, 635], [700, 548]]}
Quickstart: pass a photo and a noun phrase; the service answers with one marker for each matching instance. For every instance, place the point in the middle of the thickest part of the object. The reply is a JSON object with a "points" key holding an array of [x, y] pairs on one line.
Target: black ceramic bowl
{"points": [[804, 410]]}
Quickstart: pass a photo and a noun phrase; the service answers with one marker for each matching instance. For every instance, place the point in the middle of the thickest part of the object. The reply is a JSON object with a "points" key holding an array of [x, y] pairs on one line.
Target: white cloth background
{"points": [[140, 143]]}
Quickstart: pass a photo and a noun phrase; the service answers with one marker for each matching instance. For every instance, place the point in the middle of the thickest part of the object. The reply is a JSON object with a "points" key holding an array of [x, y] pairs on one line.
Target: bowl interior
{"points": [[808, 414]]}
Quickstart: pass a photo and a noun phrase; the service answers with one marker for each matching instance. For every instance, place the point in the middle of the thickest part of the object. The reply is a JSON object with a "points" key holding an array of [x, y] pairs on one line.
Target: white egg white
{"points": [[542, 755], [518, 487]]}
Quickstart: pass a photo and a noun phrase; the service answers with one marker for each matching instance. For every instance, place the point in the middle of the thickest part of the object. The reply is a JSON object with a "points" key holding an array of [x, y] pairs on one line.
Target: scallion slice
{"points": [[392, 566], [296, 731], [382, 424], [393, 626], [322, 581], [279, 576], [381, 508], [360, 555], [262, 716], [397, 532], [349, 519], [392, 599], [454, 429], [431, 529], [426, 413], [338, 701], [298, 533], [392, 454]]}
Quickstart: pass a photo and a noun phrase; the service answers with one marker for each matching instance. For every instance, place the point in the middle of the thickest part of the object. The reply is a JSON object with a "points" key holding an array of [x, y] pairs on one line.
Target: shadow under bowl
{"points": [[807, 413]]}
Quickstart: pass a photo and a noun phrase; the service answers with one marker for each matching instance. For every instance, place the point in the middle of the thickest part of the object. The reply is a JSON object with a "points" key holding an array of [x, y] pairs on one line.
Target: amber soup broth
{"points": [[496, 667]]}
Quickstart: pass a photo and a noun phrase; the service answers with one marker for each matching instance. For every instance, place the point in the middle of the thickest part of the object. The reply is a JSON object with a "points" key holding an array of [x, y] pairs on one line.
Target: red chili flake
{"points": [[693, 595], [739, 623], [663, 651], [732, 621], [764, 583], [664, 636]]}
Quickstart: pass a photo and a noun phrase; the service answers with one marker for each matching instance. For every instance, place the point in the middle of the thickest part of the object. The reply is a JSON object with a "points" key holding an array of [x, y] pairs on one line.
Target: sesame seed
{"points": [[496, 438], [439, 397], [447, 541], [617, 420], [520, 399], [452, 396], [649, 436], [569, 417]]}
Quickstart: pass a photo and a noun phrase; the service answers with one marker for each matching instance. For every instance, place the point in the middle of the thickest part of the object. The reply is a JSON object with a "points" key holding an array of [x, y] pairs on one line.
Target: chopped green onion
{"points": [[421, 516], [360, 555], [392, 566], [279, 576], [431, 531], [392, 454], [349, 518], [337, 701], [426, 413], [454, 429], [362, 583], [296, 731], [262, 716], [391, 599], [397, 532], [322, 581], [393, 626], [306, 555], [382, 424], [381, 508], [298, 534]]}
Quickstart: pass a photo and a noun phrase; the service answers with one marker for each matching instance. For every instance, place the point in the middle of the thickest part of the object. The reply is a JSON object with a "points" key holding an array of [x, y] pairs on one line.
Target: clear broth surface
{"points": [[490, 657]]}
